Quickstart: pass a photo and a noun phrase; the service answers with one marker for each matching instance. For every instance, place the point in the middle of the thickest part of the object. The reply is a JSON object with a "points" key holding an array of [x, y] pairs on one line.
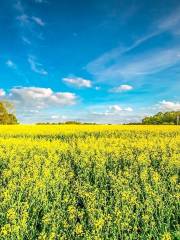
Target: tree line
{"points": [[169, 118]]}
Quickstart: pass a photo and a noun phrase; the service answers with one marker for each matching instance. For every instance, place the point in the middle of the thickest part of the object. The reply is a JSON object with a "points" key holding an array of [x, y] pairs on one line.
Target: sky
{"points": [[106, 61]]}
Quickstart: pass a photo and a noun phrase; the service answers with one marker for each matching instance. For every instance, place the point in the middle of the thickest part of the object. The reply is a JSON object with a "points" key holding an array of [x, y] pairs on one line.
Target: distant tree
{"points": [[6, 117], [72, 122], [163, 118]]}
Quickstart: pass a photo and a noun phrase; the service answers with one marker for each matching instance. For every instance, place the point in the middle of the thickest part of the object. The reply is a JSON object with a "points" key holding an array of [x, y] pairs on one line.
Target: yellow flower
{"points": [[71, 210], [120, 173], [52, 236], [47, 218], [156, 177], [166, 236], [144, 175], [42, 236], [79, 229], [99, 223], [5, 230], [174, 179], [65, 224], [11, 214]]}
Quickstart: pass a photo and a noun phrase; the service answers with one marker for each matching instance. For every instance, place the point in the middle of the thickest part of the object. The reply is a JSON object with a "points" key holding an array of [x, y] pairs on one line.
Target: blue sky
{"points": [[107, 61]]}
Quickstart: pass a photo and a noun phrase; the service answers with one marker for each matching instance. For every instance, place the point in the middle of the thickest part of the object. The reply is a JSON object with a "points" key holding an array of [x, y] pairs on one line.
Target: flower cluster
{"points": [[89, 182]]}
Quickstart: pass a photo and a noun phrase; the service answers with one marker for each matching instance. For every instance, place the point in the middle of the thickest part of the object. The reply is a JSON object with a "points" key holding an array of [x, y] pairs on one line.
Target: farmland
{"points": [[89, 182]]}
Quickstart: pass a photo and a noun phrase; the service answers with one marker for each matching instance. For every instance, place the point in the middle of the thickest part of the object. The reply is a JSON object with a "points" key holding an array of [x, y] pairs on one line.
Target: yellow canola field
{"points": [[89, 182]]}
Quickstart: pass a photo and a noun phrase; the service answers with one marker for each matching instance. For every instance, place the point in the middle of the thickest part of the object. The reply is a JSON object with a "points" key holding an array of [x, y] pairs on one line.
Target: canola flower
{"points": [[89, 182]]}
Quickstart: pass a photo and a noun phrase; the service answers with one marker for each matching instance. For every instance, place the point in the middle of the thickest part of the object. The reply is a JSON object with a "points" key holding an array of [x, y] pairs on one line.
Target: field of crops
{"points": [[89, 182]]}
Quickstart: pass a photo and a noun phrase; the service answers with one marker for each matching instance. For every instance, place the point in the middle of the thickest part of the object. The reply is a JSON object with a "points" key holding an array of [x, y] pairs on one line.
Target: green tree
{"points": [[6, 116], [162, 118]]}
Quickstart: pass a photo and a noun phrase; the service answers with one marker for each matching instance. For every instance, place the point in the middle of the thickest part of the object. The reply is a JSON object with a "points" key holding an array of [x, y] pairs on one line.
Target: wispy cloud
{"points": [[38, 21], [11, 64], [112, 65], [149, 63], [143, 64], [36, 66], [121, 88], [26, 40], [170, 22], [78, 82], [18, 6], [23, 19], [109, 58]]}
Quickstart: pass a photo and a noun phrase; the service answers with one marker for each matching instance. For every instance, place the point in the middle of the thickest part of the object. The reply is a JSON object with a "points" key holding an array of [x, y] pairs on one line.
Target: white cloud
{"points": [[40, 98], [113, 110], [55, 116], [78, 82], [121, 88], [23, 19], [36, 67], [10, 64], [38, 21], [128, 109], [26, 40], [58, 118], [33, 111], [2, 92], [169, 106], [111, 114]]}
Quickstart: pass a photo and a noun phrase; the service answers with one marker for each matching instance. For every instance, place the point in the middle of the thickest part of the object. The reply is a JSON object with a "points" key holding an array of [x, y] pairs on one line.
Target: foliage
{"points": [[163, 118], [5, 116], [89, 182]]}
